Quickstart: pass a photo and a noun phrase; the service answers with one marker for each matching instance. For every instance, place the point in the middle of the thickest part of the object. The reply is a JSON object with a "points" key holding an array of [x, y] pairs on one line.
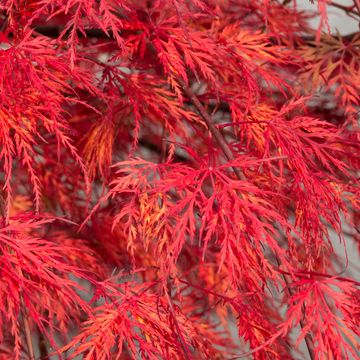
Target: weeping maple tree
{"points": [[179, 180]]}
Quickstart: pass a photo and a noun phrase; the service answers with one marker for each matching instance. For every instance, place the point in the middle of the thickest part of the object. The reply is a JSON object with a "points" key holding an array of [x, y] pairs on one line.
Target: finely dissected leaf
{"points": [[168, 205], [327, 303], [334, 63], [139, 323], [205, 156], [36, 274], [34, 87]]}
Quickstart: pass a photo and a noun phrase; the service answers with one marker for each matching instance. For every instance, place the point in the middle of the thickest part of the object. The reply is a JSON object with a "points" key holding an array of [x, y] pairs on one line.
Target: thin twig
{"points": [[223, 297], [44, 355], [347, 9], [27, 331], [178, 330], [308, 339], [213, 130], [357, 5]]}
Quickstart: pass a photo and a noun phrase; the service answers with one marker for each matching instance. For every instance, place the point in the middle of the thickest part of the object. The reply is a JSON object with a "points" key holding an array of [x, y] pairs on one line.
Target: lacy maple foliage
{"points": [[177, 178]]}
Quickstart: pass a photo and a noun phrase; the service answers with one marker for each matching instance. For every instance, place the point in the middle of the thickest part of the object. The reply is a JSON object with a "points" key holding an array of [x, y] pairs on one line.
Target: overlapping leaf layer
{"points": [[177, 177]]}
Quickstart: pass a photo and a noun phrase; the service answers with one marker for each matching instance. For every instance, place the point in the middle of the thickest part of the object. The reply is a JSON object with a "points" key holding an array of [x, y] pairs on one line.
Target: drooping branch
{"points": [[227, 152], [54, 32]]}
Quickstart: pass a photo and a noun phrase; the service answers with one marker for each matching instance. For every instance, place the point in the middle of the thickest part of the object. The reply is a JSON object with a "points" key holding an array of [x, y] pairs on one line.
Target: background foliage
{"points": [[172, 169]]}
